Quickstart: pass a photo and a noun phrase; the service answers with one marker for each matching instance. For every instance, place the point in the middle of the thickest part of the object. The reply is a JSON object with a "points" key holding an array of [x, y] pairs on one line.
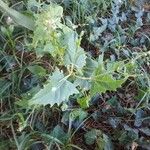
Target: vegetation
{"points": [[75, 75]]}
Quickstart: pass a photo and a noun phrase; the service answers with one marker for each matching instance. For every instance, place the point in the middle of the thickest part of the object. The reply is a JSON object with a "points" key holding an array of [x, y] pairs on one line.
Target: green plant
{"points": [[53, 37], [55, 95], [19, 18]]}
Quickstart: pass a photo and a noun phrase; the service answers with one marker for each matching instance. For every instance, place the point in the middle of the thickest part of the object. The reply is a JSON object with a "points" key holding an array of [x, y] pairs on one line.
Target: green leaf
{"points": [[103, 78], [145, 130], [47, 34], [103, 83], [108, 143], [50, 18], [47, 22], [88, 70], [75, 55], [37, 70], [59, 134], [97, 31], [19, 18], [57, 90], [90, 137], [83, 102], [33, 3], [78, 114], [6, 144], [100, 143], [138, 118], [4, 85], [83, 83]]}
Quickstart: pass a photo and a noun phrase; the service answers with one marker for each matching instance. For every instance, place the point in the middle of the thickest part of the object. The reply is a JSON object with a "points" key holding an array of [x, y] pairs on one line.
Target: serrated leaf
{"points": [[97, 31], [87, 72], [103, 79], [83, 84], [103, 83], [46, 34], [75, 55], [57, 90], [50, 17]]}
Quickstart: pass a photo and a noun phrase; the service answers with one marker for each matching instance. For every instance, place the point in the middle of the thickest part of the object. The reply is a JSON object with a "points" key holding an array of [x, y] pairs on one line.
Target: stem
{"points": [[14, 135], [84, 78]]}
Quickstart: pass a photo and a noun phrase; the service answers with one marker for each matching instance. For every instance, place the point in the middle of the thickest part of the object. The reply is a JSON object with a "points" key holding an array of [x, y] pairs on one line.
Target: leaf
{"points": [[6, 144], [98, 76], [97, 31], [113, 102], [132, 134], [103, 83], [90, 137], [83, 83], [78, 114], [138, 15], [87, 72], [32, 4], [75, 55], [57, 90], [145, 130], [4, 85], [138, 118], [77, 117], [47, 34], [50, 17], [83, 102], [103, 80], [108, 143], [37, 70], [114, 121], [19, 18], [100, 143], [59, 134]]}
